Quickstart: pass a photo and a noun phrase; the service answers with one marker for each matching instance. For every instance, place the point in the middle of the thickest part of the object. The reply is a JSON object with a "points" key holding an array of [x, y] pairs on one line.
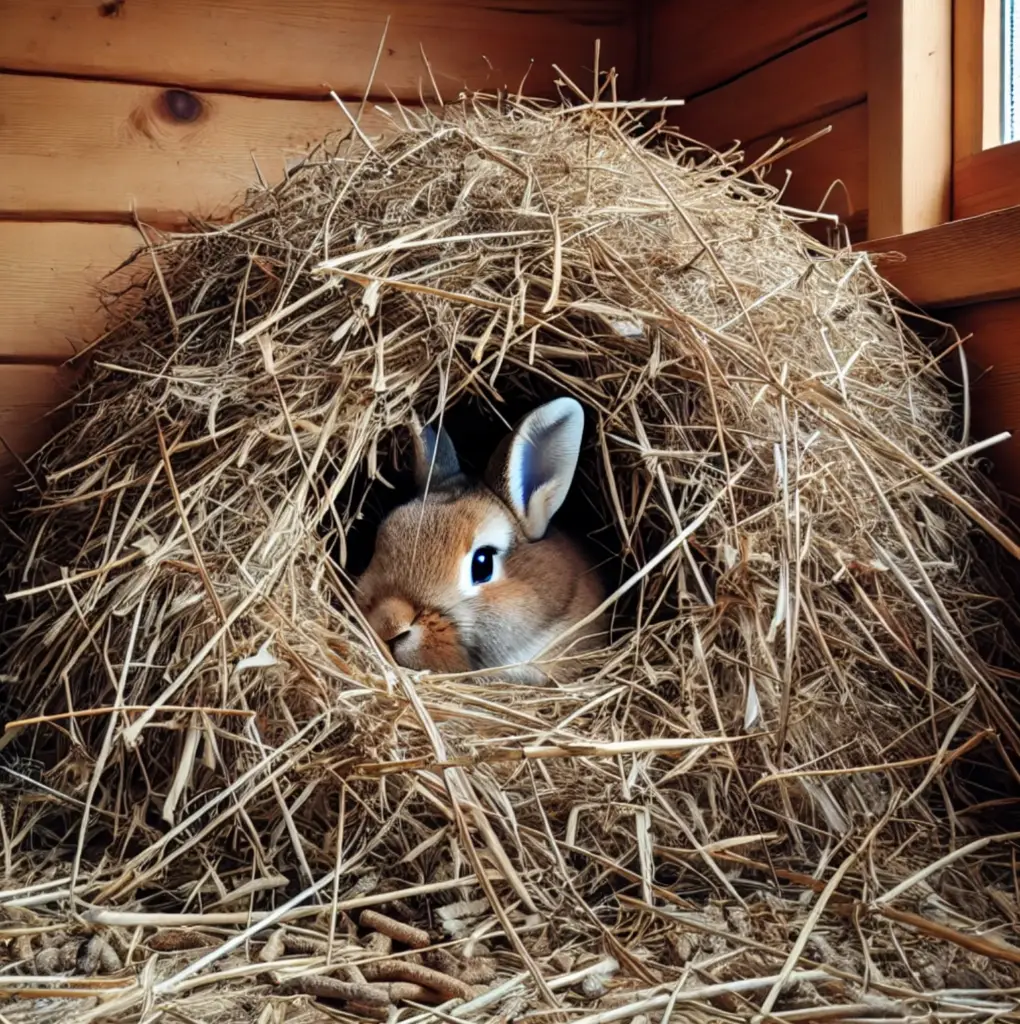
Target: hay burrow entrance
{"points": [[755, 779]]}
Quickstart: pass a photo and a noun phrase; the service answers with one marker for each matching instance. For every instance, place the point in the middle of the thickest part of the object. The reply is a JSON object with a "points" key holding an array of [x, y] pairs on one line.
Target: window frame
{"points": [[986, 171]]}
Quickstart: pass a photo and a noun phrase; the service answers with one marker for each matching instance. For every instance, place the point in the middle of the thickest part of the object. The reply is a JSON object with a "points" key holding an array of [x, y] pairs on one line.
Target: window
{"points": [[986, 106], [1010, 70]]}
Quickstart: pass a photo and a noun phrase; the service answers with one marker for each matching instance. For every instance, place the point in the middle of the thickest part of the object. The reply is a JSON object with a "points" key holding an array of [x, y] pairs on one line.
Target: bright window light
{"points": [[1011, 70]]}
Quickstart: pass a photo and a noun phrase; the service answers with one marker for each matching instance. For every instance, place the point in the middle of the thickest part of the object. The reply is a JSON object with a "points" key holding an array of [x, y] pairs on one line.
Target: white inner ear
{"points": [[496, 533], [542, 462]]}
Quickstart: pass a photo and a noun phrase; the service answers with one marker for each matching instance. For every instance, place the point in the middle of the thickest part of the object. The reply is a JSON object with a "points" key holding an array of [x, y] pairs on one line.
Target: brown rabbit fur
{"points": [[469, 576]]}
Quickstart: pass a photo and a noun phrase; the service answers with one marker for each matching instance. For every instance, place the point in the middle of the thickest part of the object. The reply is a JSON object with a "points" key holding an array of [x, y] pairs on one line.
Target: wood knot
{"points": [[182, 106]]}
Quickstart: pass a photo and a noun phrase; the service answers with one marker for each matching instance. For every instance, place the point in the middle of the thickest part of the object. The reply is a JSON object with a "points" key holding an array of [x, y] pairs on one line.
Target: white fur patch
{"points": [[496, 532], [407, 648]]}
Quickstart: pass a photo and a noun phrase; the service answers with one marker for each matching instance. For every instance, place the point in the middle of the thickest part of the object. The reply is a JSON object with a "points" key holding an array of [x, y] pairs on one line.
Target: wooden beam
{"points": [[272, 47], [958, 263], [909, 114], [977, 86], [103, 150], [987, 181]]}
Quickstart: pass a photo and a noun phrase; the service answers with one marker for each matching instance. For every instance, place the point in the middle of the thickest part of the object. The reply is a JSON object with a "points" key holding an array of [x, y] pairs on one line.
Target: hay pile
{"points": [[761, 775]]}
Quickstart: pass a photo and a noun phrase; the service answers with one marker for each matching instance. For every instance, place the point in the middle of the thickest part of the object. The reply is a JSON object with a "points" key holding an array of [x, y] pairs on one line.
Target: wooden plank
{"points": [[699, 46], [958, 263], [910, 122], [100, 149], [994, 357], [987, 181], [28, 397], [996, 341], [50, 273], [977, 85], [269, 47], [811, 82], [840, 157]]}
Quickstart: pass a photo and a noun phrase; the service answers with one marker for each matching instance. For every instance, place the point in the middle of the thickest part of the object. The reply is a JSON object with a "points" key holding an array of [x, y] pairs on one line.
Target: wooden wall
{"points": [[993, 355], [163, 108], [754, 70]]}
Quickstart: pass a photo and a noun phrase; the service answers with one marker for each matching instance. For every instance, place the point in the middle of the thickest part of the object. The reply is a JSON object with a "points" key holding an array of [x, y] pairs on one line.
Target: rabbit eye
{"points": [[483, 564]]}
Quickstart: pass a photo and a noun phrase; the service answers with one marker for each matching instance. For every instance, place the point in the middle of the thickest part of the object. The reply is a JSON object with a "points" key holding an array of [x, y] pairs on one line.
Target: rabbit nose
{"points": [[392, 619]]}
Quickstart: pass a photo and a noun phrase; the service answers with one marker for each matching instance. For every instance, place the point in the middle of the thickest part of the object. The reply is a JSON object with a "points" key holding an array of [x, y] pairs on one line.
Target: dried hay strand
{"points": [[748, 802]]}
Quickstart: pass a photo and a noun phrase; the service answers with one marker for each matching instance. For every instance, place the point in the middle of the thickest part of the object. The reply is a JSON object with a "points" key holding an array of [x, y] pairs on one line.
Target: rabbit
{"points": [[469, 575]]}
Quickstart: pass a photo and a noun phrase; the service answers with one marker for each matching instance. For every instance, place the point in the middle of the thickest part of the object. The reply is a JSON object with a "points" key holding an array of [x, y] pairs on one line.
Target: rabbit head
{"points": [[469, 575]]}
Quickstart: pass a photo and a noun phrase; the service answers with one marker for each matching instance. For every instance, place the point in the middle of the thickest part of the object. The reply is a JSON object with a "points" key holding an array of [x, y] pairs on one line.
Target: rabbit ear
{"points": [[533, 468], [435, 459]]}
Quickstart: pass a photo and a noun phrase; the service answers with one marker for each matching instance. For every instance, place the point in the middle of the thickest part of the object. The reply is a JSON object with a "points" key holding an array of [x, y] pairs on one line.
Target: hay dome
{"points": [[772, 474]]}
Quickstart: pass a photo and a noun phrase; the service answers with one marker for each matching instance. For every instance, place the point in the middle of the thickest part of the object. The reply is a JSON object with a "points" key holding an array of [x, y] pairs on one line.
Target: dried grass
{"points": [[751, 803]]}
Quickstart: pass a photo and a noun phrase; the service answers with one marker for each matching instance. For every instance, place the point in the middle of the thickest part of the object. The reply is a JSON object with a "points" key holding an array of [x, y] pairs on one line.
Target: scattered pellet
{"points": [[416, 938], [406, 990], [69, 953], [96, 956], [351, 973], [47, 961], [305, 945], [325, 987], [397, 970], [88, 956], [174, 940], [274, 947], [110, 961]]}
